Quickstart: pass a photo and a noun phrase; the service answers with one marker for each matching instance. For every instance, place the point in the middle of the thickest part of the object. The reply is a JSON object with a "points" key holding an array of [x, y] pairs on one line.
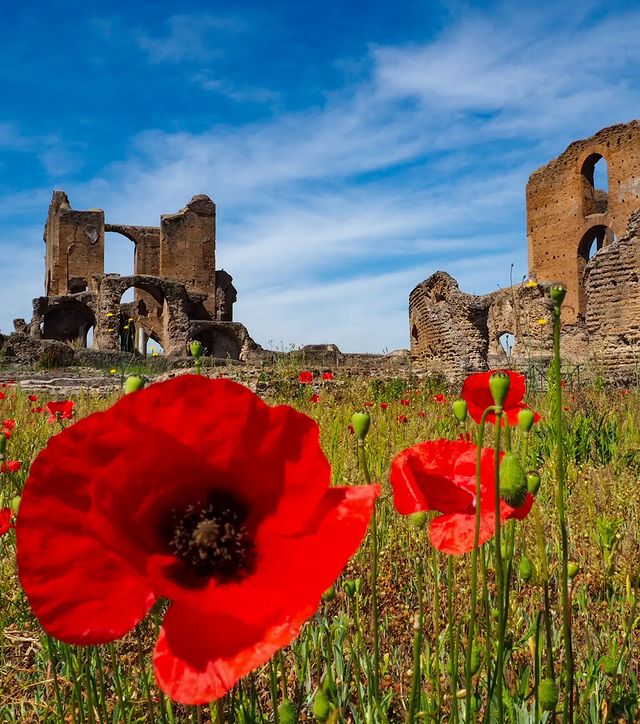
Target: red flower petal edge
{"points": [[440, 475], [125, 507], [477, 395]]}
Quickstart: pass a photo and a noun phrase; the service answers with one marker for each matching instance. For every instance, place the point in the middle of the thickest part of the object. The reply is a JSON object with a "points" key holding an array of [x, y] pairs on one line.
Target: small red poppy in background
{"points": [[384, 405], [477, 395], [2, 395], [315, 397], [369, 404], [10, 466], [32, 398], [327, 375], [37, 409], [422, 414], [61, 410], [238, 528], [6, 520], [404, 401], [441, 475], [402, 419], [440, 398], [305, 377], [7, 428]]}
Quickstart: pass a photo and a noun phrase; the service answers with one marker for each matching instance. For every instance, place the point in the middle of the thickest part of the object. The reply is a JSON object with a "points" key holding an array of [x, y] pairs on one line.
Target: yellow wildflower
{"points": [[113, 371], [126, 326], [542, 321], [531, 283], [109, 314]]}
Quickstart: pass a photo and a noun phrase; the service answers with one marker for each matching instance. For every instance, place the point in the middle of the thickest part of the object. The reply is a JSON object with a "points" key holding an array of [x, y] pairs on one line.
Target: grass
{"points": [[327, 672]]}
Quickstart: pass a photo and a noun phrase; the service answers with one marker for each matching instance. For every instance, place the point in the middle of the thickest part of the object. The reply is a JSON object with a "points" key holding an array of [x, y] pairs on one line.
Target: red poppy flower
{"points": [[225, 510], [477, 395], [61, 410], [441, 475], [315, 397], [37, 409], [440, 398], [422, 414], [405, 402], [7, 428], [6, 522], [10, 466], [327, 375], [2, 395], [369, 404], [305, 377], [384, 405], [402, 419], [351, 428], [32, 398]]}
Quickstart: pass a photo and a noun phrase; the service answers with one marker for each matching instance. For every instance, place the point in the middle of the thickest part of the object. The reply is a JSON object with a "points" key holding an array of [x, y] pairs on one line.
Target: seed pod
{"points": [[526, 418], [133, 383], [548, 694], [513, 481], [526, 569], [499, 385], [361, 421], [557, 293], [459, 408], [419, 519], [572, 569], [329, 594], [533, 482], [287, 712], [321, 707]]}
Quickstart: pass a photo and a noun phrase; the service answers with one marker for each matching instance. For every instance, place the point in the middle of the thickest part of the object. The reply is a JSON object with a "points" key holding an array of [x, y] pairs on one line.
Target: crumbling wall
{"points": [[566, 212], [187, 248]]}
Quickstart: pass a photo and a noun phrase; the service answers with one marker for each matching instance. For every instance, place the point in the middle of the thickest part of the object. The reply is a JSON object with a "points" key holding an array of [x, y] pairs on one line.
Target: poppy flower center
{"points": [[212, 538]]}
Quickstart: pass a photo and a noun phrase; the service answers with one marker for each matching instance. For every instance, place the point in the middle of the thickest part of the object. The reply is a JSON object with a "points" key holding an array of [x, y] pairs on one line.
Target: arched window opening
{"points": [[507, 342], [119, 256], [141, 319], [592, 241], [88, 343], [595, 185], [414, 332]]}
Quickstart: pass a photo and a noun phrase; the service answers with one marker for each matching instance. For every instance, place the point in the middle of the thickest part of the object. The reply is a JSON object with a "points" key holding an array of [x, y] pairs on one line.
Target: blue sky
{"points": [[352, 149]]}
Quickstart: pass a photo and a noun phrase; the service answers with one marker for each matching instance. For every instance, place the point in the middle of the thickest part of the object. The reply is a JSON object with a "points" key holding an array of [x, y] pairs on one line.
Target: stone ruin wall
{"points": [[179, 296], [454, 333]]}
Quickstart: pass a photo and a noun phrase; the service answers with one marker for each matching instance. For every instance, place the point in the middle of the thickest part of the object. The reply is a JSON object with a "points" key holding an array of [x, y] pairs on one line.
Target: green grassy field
{"points": [[327, 673]]}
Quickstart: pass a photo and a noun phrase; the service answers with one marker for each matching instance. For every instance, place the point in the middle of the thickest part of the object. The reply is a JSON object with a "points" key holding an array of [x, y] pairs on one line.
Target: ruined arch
{"points": [[595, 175], [591, 242], [69, 321]]}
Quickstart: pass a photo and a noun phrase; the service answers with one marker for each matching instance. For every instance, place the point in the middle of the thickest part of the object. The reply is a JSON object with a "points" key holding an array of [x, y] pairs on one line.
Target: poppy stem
{"points": [[567, 710], [474, 567], [499, 572], [362, 460], [436, 629], [453, 640], [417, 647], [54, 673]]}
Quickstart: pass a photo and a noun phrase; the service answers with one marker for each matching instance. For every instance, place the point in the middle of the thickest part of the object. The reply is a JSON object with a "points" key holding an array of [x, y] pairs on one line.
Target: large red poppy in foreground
{"points": [[193, 490], [441, 475], [477, 395]]}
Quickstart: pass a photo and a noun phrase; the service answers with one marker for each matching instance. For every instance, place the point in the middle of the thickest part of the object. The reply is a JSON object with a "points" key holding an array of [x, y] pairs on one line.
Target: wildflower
{"points": [[305, 377], [32, 398], [405, 402], [477, 394], [422, 414], [10, 466], [440, 398], [369, 404], [61, 410], [104, 531], [383, 405], [126, 326], [327, 375], [109, 314], [111, 329], [2, 395], [6, 520], [531, 283], [39, 408], [402, 419], [441, 475], [7, 428], [315, 397], [113, 371], [542, 321]]}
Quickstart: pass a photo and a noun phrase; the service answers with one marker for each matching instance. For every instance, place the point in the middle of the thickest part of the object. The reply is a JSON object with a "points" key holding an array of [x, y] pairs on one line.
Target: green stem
{"points": [[499, 571], [54, 672], [417, 647], [487, 628], [536, 669], [453, 657], [436, 628], [362, 460], [143, 672], [474, 565], [567, 710]]}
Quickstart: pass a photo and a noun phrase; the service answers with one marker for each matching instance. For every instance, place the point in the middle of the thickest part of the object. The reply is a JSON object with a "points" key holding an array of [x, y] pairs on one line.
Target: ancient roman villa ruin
{"points": [[584, 236]]}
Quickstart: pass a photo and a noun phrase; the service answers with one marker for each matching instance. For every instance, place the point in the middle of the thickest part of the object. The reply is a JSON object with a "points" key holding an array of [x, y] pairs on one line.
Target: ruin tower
{"points": [[570, 215], [74, 247]]}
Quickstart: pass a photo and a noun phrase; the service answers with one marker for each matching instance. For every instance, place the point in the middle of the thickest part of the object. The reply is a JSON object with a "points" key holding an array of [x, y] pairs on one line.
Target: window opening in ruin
{"points": [[595, 185], [89, 339], [141, 318], [592, 241], [414, 332], [119, 255], [507, 342]]}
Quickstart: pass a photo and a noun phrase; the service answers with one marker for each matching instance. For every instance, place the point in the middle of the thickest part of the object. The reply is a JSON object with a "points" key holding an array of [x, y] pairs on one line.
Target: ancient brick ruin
{"points": [[578, 233], [178, 295]]}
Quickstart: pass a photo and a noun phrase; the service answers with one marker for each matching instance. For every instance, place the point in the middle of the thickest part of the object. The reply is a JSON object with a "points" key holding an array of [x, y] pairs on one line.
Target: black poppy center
{"points": [[212, 538]]}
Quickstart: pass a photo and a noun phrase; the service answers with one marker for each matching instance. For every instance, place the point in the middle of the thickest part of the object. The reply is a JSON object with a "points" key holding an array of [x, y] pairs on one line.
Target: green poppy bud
{"points": [[513, 480], [321, 707], [557, 293], [361, 421], [475, 658], [548, 694], [358, 583], [350, 588], [15, 504], [195, 347], [287, 713], [572, 569], [526, 418], [459, 408], [133, 383], [609, 665], [419, 519], [533, 482], [526, 569], [499, 386], [329, 594]]}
